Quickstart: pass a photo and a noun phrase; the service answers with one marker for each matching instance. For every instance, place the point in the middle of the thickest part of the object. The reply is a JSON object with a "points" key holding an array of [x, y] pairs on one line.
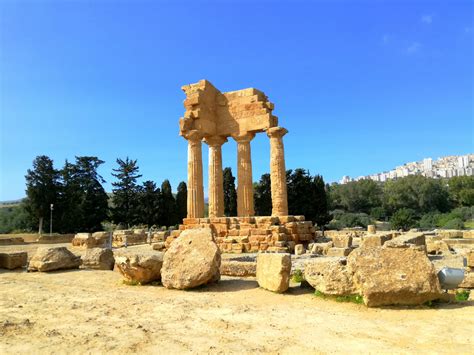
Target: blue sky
{"points": [[362, 86]]}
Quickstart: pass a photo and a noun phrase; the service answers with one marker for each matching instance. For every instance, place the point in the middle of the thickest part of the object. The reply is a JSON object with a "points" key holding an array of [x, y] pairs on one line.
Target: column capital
{"points": [[243, 137], [193, 136], [276, 132], [215, 141]]}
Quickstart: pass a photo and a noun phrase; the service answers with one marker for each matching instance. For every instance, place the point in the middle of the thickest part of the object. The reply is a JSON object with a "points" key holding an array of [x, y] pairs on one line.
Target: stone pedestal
{"points": [[278, 171], [216, 182], [245, 206], [195, 201]]}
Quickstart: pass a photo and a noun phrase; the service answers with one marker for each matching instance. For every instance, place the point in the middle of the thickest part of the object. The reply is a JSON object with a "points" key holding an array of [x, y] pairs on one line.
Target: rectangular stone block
{"points": [[286, 219], [187, 221], [244, 232], [342, 241], [13, 260], [273, 271], [371, 241], [233, 232]]}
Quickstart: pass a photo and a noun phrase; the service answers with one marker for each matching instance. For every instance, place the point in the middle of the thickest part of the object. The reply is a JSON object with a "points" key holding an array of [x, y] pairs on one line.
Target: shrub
{"points": [[298, 276], [455, 223], [404, 218]]}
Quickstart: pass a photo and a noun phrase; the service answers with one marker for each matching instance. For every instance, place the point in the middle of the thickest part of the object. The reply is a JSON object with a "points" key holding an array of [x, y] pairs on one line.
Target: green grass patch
{"points": [[462, 295], [298, 276], [357, 299], [469, 224]]}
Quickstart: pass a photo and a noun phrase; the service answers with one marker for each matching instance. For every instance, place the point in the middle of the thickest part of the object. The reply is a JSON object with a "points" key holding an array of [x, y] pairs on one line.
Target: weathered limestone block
{"points": [[273, 271], [13, 260], [192, 260], [49, 259], [450, 233], [437, 247], [321, 248], [469, 234], [329, 276], [371, 229], [341, 252], [388, 276], [98, 259], [140, 267], [342, 241], [83, 240], [371, 241], [470, 258], [299, 249], [238, 268], [409, 238], [101, 239], [468, 281]]}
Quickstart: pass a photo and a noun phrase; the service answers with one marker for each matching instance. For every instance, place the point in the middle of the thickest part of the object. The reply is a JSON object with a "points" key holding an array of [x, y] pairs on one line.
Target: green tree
{"points": [[182, 201], [417, 193], [230, 194], [321, 214], [404, 218], [150, 197], [168, 212], [42, 190], [356, 196], [14, 218], [263, 196], [461, 190], [126, 192]]}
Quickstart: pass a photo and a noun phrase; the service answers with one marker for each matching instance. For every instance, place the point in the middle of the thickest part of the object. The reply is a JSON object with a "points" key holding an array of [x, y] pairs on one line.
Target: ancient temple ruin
{"points": [[214, 117]]}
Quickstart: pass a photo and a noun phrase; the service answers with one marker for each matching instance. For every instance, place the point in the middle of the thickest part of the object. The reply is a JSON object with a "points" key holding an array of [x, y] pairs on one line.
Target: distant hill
{"points": [[11, 203]]}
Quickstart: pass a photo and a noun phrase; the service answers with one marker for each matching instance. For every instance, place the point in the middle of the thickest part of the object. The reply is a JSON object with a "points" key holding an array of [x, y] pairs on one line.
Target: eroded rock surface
{"points": [[49, 259]]}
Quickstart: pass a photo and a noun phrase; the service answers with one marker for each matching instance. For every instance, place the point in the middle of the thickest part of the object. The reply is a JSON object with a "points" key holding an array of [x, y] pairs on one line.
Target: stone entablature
{"points": [[253, 234], [212, 117]]}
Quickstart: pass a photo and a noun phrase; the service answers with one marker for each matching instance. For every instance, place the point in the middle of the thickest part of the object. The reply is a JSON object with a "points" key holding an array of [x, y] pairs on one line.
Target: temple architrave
{"points": [[214, 117]]}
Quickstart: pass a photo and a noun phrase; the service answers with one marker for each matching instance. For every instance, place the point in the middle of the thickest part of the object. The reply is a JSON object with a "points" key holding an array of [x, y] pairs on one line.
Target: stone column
{"points": [[216, 180], [195, 201], [245, 206], [278, 171]]}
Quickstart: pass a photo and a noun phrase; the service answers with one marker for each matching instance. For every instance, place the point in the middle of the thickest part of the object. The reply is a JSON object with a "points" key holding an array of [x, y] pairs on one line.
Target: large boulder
{"points": [[13, 260], [390, 276], [193, 259], [49, 259], [141, 267], [406, 239], [273, 271], [98, 259], [330, 276]]}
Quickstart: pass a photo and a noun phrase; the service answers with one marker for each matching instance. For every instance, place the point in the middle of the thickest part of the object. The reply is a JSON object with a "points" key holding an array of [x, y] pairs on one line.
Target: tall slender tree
{"points": [[42, 190], [263, 196], [182, 201], [168, 210], [149, 203], [230, 194], [321, 214], [126, 192]]}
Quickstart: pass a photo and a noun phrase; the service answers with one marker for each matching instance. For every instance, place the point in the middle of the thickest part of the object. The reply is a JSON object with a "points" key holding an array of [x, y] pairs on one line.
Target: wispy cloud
{"points": [[413, 48], [427, 19]]}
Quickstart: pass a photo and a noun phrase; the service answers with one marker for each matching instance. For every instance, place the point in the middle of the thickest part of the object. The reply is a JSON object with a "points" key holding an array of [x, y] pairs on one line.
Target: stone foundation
{"points": [[253, 234]]}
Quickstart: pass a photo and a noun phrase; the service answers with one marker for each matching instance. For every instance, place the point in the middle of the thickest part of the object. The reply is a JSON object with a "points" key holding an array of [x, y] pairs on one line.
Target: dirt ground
{"points": [[85, 311]]}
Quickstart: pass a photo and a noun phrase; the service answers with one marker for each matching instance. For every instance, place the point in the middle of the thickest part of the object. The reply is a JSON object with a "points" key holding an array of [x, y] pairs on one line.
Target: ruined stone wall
{"points": [[253, 234]]}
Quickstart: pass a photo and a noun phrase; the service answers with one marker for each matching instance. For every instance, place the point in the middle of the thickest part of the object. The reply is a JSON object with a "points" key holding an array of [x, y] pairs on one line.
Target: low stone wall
{"points": [[55, 238], [253, 234]]}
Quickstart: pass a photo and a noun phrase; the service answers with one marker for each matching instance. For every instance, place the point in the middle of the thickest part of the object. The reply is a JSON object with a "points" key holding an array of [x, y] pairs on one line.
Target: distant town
{"points": [[445, 167]]}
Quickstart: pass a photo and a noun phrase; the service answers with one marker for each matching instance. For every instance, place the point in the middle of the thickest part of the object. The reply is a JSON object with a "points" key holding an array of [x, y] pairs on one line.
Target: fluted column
{"points": [[245, 205], [278, 171], [216, 180], [195, 201]]}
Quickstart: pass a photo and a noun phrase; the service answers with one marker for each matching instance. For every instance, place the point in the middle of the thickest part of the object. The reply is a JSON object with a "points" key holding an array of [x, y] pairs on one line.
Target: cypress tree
{"points": [[230, 194]]}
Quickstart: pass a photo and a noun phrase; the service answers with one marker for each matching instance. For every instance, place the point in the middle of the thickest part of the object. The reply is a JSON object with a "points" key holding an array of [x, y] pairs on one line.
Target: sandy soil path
{"points": [[88, 311]]}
